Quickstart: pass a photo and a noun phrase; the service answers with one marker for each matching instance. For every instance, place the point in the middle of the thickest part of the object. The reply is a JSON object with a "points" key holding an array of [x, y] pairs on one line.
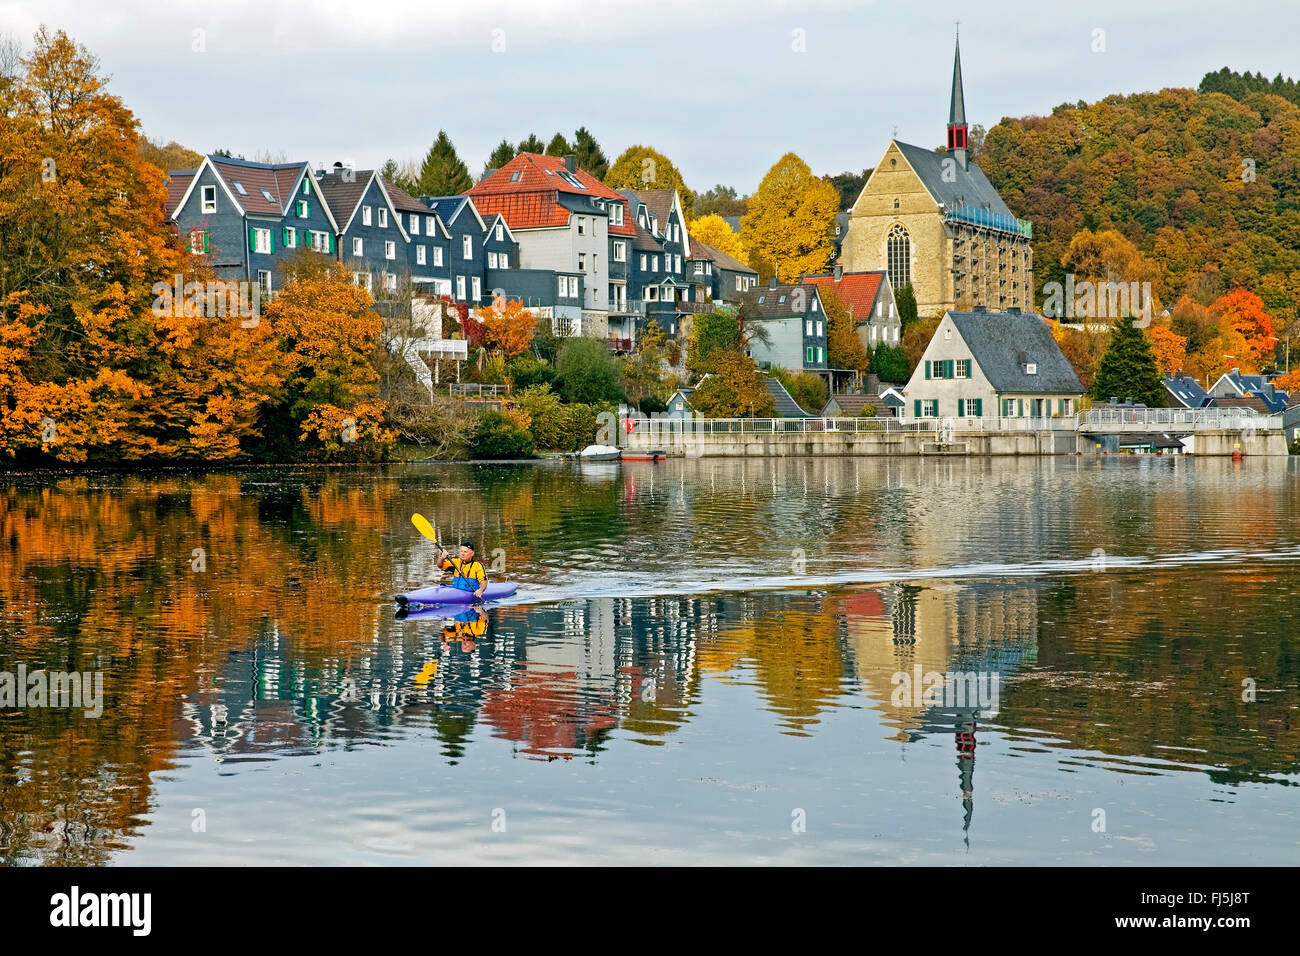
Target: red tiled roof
{"points": [[254, 179], [532, 201], [176, 184], [857, 289]]}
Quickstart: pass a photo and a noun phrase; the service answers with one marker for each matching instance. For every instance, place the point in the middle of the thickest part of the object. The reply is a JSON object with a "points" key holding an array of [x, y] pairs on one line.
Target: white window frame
{"points": [[208, 198], [390, 249], [563, 286], [302, 210], [262, 242], [808, 327], [582, 262], [421, 255], [476, 287], [358, 247], [573, 287], [929, 408], [501, 232], [264, 280], [492, 260], [819, 328], [504, 260], [460, 288], [437, 256], [654, 263], [291, 238], [366, 216], [390, 281], [415, 224], [467, 247], [320, 241], [429, 226], [961, 369], [643, 262], [616, 213], [582, 225], [383, 218]]}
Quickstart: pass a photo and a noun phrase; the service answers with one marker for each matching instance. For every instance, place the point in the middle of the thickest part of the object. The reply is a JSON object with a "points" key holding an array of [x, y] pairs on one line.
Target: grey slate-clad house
{"points": [[466, 252], [992, 365], [796, 325], [246, 218], [373, 242], [718, 276], [1236, 384], [679, 403]]}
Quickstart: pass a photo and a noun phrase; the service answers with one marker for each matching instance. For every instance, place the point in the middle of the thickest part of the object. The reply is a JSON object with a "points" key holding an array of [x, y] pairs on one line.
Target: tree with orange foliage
{"points": [[1290, 382], [1169, 348], [1082, 347], [1242, 312], [508, 327], [325, 330]]}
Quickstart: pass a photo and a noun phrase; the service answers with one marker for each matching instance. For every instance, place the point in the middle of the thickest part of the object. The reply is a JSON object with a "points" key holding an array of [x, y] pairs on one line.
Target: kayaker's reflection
{"points": [[466, 627]]}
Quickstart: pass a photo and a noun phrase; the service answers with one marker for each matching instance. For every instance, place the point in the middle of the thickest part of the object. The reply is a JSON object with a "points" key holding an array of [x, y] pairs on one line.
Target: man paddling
{"points": [[468, 574]]}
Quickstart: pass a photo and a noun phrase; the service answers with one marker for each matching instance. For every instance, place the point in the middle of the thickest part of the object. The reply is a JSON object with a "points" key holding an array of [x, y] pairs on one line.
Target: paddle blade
{"points": [[422, 525]]}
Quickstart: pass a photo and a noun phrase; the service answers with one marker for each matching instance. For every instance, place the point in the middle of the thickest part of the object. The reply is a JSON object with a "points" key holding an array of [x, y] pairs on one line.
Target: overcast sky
{"points": [[718, 86]]}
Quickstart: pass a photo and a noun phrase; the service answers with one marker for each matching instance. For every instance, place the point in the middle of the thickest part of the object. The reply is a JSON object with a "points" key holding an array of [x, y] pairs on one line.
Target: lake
{"points": [[708, 661]]}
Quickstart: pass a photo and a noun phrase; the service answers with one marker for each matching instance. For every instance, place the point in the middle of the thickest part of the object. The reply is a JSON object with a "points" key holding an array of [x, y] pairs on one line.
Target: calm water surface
{"points": [[699, 666]]}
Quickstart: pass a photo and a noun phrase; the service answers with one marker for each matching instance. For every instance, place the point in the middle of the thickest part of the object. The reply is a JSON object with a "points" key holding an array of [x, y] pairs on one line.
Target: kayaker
{"points": [[468, 574]]}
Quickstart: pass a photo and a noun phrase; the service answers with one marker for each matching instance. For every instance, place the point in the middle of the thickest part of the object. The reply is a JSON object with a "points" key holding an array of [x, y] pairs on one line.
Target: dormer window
{"points": [[1031, 368], [209, 199], [501, 232]]}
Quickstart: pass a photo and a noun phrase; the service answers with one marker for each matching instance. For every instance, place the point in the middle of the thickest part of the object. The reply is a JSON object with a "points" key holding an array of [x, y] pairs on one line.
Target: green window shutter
{"points": [[979, 408], [329, 242], [272, 232], [207, 238], [1020, 405], [927, 374], [949, 369], [916, 407], [252, 239], [285, 230]]}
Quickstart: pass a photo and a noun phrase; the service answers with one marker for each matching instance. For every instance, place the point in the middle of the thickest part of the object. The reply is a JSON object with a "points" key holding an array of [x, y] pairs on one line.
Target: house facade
{"points": [[992, 365], [869, 298], [716, 276], [795, 322], [562, 220], [245, 219]]}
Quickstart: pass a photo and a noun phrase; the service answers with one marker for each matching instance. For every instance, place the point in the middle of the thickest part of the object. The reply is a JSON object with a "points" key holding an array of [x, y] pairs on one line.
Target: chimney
{"points": [[771, 283], [571, 163], [839, 272]]}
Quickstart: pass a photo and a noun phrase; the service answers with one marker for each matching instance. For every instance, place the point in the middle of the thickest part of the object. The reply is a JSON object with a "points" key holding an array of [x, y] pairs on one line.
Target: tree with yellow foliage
{"points": [[789, 220], [713, 230]]}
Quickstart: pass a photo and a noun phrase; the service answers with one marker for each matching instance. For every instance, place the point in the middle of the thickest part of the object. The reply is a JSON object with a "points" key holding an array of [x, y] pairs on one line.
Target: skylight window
{"points": [[572, 180], [239, 188], [266, 194], [514, 177]]}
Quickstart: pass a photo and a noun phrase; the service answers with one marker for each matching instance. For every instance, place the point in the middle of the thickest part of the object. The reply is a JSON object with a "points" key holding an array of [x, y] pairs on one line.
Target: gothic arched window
{"points": [[899, 256]]}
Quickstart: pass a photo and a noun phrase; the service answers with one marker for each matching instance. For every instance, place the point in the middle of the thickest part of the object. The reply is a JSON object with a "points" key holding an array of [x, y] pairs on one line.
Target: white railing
{"points": [[1196, 418], [796, 426], [478, 391]]}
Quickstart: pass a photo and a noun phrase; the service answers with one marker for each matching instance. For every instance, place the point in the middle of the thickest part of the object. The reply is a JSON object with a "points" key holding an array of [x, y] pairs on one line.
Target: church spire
{"points": [[958, 134]]}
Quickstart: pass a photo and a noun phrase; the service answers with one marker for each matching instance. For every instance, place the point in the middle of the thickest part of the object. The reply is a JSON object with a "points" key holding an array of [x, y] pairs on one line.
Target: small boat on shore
{"points": [[656, 455], [600, 453]]}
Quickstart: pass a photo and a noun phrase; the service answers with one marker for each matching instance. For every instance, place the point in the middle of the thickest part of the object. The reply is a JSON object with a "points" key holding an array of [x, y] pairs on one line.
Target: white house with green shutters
{"points": [[992, 365]]}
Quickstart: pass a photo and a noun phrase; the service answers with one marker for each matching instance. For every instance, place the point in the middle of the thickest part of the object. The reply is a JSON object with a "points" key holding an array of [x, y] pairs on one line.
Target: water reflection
{"points": [[287, 645]]}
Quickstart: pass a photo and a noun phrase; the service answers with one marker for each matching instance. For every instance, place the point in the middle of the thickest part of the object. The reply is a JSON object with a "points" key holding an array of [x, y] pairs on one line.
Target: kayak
{"points": [[442, 594]]}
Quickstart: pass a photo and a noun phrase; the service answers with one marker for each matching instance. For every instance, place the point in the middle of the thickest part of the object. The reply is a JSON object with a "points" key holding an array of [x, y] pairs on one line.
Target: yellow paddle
{"points": [[422, 525]]}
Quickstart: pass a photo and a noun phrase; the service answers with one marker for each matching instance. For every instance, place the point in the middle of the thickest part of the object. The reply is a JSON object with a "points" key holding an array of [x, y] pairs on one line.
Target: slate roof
{"points": [[786, 407], [702, 250], [531, 201], [177, 183], [970, 187], [1253, 402], [1003, 342], [852, 404], [1186, 391], [342, 196], [277, 180], [658, 201], [857, 289], [778, 303], [402, 200]]}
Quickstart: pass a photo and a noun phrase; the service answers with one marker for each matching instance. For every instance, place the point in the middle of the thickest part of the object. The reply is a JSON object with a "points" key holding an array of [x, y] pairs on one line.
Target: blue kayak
{"points": [[442, 594]]}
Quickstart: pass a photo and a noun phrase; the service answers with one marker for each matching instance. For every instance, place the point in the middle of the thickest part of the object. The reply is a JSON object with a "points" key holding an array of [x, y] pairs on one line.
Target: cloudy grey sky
{"points": [[719, 86]]}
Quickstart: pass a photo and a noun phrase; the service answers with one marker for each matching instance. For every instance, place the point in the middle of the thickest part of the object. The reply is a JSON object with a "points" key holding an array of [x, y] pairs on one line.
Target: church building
{"points": [[934, 220]]}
